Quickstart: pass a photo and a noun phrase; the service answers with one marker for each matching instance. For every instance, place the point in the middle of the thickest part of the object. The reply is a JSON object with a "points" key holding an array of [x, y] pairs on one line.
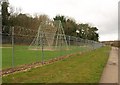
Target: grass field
{"points": [[22, 55], [81, 68]]}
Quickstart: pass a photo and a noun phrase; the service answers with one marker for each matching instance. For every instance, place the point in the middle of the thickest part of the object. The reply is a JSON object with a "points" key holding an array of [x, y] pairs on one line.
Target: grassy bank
{"points": [[81, 68]]}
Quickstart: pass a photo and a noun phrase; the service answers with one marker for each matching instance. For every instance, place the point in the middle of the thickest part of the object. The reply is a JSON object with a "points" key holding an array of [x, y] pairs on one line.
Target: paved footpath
{"points": [[110, 73]]}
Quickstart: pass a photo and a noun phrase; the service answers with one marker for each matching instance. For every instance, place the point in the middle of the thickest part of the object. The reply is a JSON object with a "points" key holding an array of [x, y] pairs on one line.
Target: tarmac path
{"points": [[110, 72]]}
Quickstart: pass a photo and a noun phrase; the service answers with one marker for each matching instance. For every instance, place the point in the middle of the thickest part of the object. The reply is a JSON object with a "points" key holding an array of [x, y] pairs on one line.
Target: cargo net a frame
{"points": [[50, 36]]}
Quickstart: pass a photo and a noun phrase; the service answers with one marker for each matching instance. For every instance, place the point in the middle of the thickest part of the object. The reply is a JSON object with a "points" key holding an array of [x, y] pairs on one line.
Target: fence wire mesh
{"points": [[21, 46]]}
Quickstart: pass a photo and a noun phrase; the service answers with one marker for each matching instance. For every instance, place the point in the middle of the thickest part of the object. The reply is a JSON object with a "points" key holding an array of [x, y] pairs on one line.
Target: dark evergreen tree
{"points": [[5, 17]]}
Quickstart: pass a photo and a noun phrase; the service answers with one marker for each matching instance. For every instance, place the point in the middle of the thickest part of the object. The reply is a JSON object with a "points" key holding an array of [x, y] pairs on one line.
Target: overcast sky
{"points": [[100, 13]]}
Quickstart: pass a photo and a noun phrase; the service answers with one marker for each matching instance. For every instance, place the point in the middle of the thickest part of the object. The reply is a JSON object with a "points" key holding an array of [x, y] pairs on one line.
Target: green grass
{"points": [[24, 56], [81, 68]]}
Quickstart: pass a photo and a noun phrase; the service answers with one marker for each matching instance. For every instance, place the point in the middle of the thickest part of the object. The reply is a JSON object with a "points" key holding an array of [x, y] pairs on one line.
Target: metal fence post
{"points": [[76, 41], [0, 64], [42, 49], [69, 40], [12, 47]]}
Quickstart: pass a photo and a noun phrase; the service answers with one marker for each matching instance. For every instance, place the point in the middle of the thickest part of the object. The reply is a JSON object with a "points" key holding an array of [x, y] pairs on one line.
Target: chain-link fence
{"points": [[24, 46]]}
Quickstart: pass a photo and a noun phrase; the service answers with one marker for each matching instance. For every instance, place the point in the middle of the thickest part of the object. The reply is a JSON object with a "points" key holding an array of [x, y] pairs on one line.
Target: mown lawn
{"points": [[22, 55], [81, 68]]}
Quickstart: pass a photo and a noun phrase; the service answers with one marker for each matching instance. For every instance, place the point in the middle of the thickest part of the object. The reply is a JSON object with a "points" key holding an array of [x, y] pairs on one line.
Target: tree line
{"points": [[27, 21]]}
